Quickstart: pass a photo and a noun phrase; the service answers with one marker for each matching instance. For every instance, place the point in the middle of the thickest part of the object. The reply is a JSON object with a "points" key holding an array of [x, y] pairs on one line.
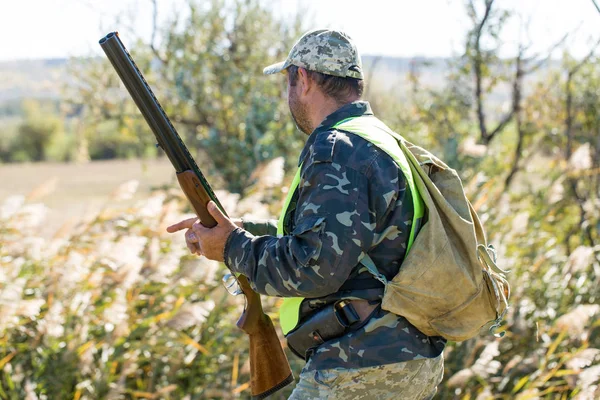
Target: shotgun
{"points": [[269, 367]]}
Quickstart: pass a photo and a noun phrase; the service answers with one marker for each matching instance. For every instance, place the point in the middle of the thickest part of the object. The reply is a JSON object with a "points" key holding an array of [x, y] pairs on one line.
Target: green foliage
{"points": [[35, 134], [207, 74], [8, 132], [11, 108], [544, 223], [120, 139], [215, 65], [41, 135]]}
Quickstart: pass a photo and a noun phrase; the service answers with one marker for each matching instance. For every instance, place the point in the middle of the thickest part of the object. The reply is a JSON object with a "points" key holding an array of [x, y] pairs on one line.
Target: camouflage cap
{"points": [[326, 51]]}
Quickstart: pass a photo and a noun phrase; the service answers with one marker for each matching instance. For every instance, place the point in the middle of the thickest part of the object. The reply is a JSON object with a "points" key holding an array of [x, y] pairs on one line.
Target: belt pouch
{"points": [[318, 328]]}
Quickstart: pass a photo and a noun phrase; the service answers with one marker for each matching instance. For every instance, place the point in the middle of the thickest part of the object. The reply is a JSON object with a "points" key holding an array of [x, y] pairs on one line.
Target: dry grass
{"points": [[110, 306]]}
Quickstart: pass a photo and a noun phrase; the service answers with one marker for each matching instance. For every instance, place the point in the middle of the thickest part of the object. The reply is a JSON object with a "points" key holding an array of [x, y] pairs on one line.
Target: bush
{"points": [[36, 134]]}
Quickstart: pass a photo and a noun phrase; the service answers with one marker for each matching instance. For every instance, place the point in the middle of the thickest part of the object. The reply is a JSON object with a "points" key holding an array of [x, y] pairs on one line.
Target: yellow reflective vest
{"points": [[373, 130]]}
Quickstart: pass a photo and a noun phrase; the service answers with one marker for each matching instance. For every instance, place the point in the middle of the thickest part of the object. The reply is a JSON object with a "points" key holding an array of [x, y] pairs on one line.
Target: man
{"points": [[349, 199]]}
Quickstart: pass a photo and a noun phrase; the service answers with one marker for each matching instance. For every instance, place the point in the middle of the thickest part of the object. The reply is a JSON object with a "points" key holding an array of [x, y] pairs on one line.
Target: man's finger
{"points": [[194, 248], [185, 224], [216, 212], [191, 237]]}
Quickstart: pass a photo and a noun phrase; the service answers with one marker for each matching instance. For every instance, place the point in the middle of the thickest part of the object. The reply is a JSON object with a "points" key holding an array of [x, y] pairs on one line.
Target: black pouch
{"points": [[319, 327]]}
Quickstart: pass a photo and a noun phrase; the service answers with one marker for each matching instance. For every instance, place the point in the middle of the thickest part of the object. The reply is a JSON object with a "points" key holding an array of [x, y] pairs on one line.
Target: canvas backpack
{"points": [[449, 284]]}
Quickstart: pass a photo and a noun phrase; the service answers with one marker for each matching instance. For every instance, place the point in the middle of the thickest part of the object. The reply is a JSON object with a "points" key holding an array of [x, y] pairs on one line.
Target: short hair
{"points": [[336, 87]]}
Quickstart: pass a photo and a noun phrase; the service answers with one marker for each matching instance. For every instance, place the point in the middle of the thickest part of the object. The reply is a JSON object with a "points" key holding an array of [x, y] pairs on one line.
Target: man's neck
{"points": [[326, 106]]}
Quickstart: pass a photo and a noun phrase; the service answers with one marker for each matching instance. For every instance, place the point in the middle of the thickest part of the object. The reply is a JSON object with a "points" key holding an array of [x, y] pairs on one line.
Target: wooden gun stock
{"points": [[269, 366]]}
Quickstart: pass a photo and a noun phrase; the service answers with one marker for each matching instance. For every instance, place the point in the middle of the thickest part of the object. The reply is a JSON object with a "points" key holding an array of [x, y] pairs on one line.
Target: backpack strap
{"points": [[496, 276], [367, 261], [390, 143], [361, 284]]}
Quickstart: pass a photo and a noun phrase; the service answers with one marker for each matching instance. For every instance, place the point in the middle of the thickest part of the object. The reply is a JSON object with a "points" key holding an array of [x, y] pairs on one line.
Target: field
{"points": [[72, 191]]}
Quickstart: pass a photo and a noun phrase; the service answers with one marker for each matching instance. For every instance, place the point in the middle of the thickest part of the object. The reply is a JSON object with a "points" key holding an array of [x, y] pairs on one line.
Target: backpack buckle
{"points": [[497, 324]]}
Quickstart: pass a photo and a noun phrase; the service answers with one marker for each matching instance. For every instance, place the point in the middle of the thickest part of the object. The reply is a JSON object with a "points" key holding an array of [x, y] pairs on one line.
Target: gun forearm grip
{"points": [[197, 196]]}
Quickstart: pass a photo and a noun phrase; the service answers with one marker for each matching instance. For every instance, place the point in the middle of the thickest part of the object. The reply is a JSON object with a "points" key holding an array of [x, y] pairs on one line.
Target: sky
{"points": [[33, 29]]}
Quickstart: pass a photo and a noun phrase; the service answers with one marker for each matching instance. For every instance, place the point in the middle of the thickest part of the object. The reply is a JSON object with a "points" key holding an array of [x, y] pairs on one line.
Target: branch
{"points": [[584, 61], [193, 122], [596, 5], [477, 62], [517, 111], [569, 99], [544, 60], [153, 37], [501, 125], [569, 134], [488, 9]]}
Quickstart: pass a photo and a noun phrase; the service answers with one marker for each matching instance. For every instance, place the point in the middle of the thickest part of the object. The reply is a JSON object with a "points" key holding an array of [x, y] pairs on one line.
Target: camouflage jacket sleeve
{"points": [[260, 227], [332, 213]]}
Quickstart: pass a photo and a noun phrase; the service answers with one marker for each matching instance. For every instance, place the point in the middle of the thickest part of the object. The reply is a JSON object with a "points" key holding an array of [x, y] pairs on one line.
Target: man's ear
{"points": [[304, 80]]}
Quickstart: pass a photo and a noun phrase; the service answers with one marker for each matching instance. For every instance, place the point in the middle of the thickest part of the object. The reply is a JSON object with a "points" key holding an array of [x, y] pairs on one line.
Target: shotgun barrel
{"points": [[167, 137]]}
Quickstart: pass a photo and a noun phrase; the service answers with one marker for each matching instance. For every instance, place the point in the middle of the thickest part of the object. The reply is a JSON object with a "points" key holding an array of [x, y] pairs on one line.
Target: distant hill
{"points": [[32, 79], [44, 79]]}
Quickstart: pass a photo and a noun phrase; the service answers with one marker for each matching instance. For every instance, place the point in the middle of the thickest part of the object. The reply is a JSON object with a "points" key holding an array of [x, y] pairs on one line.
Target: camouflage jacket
{"points": [[352, 198]]}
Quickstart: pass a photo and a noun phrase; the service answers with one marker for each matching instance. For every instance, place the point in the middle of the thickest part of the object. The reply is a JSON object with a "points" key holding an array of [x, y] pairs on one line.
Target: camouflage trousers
{"points": [[417, 379]]}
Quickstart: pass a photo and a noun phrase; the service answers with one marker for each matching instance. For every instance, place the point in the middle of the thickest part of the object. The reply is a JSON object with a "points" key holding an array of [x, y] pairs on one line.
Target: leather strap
{"points": [[363, 308], [361, 284]]}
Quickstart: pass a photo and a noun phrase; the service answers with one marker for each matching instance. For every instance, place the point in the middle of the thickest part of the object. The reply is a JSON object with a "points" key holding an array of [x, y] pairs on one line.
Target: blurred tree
{"points": [[459, 115], [530, 167], [582, 142], [207, 73], [484, 63], [36, 134]]}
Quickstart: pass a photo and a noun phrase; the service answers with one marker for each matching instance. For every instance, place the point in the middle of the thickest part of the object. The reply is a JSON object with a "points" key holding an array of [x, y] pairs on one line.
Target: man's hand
{"points": [[209, 242]]}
